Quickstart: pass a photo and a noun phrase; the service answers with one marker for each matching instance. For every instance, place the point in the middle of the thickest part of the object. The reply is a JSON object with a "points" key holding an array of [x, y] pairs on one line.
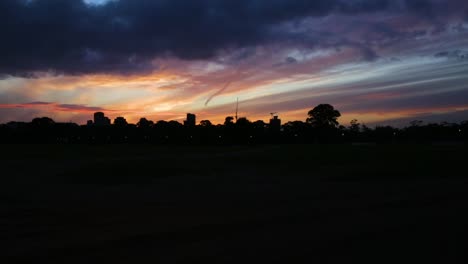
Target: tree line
{"points": [[321, 126]]}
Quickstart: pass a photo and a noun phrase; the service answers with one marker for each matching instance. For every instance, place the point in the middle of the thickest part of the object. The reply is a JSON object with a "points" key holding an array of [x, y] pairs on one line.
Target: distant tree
{"points": [[206, 123], [120, 122], [296, 130], [323, 115], [144, 123], [174, 124], [385, 133], [160, 127], [229, 121], [160, 124], [355, 126], [43, 128], [447, 124], [259, 128], [42, 122], [171, 128], [243, 126], [416, 123], [366, 129], [243, 122], [295, 127], [259, 125]]}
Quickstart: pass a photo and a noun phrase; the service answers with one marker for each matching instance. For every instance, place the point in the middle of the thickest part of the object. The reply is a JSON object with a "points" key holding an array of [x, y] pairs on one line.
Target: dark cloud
{"points": [[125, 35], [368, 54], [455, 54], [38, 103], [290, 60], [56, 106], [80, 108], [286, 62]]}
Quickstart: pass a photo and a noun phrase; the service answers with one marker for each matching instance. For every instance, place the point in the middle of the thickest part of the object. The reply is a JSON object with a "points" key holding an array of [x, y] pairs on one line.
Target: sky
{"points": [[378, 61]]}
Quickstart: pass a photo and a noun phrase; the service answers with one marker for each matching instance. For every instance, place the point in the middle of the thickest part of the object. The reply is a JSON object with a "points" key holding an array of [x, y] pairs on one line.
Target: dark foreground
{"points": [[264, 204]]}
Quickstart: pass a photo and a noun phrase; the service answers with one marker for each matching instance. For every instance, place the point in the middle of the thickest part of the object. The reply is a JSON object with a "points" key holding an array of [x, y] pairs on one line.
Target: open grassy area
{"points": [[166, 204]]}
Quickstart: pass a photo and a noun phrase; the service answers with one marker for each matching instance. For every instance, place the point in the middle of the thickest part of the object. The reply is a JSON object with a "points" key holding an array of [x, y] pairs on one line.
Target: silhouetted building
{"points": [[101, 120], [98, 116], [191, 120], [275, 124], [90, 123]]}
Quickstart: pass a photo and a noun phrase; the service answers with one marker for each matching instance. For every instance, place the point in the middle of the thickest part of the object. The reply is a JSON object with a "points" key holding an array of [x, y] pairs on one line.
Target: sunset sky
{"points": [[379, 61]]}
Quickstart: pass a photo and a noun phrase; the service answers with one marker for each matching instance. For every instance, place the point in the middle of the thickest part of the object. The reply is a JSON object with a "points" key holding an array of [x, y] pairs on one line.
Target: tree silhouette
{"points": [[144, 123], [323, 116], [120, 122], [355, 126], [243, 122], [259, 125], [206, 123], [416, 123], [174, 125], [42, 122], [229, 121]]}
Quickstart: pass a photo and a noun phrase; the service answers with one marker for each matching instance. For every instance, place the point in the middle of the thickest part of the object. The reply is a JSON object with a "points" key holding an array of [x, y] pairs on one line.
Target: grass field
{"points": [[231, 204]]}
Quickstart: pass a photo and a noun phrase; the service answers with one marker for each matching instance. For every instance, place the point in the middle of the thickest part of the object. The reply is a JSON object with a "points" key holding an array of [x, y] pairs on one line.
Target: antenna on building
{"points": [[237, 107]]}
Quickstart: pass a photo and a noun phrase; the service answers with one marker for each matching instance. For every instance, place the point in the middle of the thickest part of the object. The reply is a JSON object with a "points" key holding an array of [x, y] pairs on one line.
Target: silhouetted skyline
{"points": [[321, 126]]}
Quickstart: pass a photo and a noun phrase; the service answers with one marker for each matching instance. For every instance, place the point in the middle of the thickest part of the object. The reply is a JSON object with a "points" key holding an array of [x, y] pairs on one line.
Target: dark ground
{"points": [[263, 204]]}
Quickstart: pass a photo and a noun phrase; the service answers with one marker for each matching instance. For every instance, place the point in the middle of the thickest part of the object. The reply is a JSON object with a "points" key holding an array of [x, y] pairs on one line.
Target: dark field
{"points": [[264, 204]]}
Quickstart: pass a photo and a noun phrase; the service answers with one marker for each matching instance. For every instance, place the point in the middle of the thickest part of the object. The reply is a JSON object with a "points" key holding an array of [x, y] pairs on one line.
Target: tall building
{"points": [[191, 120], [275, 124], [101, 120]]}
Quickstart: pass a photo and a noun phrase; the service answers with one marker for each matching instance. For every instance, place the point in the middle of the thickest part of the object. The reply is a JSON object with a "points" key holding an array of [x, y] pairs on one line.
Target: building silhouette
{"points": [[275, 124], [191, 120], [101, 120]]}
